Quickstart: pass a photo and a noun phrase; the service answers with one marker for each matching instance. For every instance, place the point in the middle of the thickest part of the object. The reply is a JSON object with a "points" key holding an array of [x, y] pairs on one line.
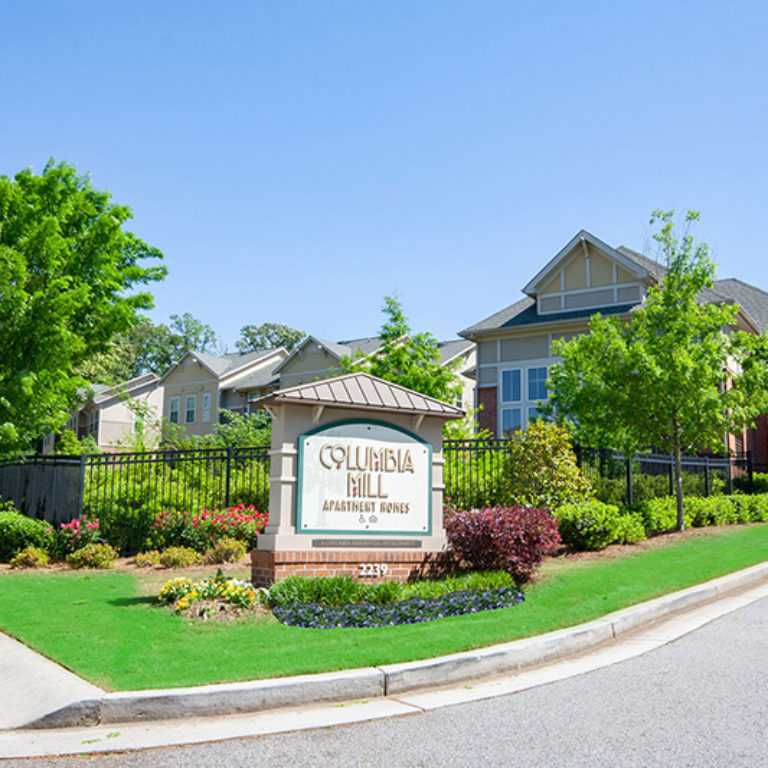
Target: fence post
{"points": [[750, 472], [730, 476], [630, 493], [81, 490], [229, 475], [706, 476]]}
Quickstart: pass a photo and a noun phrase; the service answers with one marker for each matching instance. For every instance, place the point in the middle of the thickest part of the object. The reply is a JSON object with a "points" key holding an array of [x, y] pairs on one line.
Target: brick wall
{"points": [[488, 416], [268, 567]]}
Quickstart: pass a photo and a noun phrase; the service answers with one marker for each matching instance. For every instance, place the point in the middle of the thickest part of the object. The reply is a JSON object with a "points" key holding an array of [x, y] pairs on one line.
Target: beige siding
{"points": [[553, 286], [576, 274], [525, 348], [624, 276], [600, 269], [486, 377], [487, 351], [313, 364]]}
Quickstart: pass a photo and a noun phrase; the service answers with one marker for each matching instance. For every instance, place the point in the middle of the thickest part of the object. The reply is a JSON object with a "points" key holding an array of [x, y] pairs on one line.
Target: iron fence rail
{"points": [[61, 488], [126, 489]]}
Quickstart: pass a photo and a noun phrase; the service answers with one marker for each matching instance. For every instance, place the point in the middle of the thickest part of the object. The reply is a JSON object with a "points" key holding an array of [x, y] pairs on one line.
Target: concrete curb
{"points": [[390, 679]]}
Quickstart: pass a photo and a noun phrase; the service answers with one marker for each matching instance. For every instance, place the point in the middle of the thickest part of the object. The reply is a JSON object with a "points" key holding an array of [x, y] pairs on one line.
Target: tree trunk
{"points": [[679, 486]]}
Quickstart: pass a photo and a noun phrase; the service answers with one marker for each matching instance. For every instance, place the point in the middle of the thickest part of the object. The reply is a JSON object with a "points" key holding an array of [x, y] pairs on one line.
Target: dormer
{"points": [[588, 274]]}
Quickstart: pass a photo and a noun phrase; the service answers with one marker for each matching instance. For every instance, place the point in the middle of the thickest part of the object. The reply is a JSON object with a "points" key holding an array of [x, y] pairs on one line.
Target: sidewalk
{"points": [[48, 710]]}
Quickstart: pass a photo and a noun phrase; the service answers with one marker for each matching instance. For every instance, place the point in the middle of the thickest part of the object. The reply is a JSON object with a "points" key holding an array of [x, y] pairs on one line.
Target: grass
{"points": [[108, 628]]}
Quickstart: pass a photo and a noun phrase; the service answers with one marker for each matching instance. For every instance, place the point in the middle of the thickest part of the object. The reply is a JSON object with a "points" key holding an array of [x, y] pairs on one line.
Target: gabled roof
{"points": [[368, 346], [337, 349], [104, 392], [450, 350], [224, 365], [629, 263], [363, 392]]}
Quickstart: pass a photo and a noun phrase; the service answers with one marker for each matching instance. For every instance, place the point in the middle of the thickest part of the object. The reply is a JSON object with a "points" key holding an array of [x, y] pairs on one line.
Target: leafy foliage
{"points": [[411, 360], [592, 525], [268, 336], [200, 531], [67, 270], [226, 550], [656, 379], [31, 557], [345, 590], [18, 532], [101, 556], [512, 539], [69, 445], [542, 469]]}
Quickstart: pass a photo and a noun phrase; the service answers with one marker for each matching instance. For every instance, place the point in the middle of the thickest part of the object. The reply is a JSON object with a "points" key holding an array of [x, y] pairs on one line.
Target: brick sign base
{"points": [[269, 567]]}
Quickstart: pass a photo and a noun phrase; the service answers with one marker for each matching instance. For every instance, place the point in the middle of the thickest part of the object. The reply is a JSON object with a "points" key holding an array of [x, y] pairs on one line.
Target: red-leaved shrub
{"points": [[512, 539]]}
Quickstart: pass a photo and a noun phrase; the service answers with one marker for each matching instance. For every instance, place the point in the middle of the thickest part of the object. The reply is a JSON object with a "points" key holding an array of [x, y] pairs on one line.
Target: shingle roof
{"points": [[453, 348], [222, 364], [751, 299], [362, 391]]}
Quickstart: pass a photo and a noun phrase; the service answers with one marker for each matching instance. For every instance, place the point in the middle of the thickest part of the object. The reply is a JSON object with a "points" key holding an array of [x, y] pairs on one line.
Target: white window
{"points": [[189, 409], [173, 410], [512, 386], [206, 406], [511, 420], [93, 423], [537, 383]]}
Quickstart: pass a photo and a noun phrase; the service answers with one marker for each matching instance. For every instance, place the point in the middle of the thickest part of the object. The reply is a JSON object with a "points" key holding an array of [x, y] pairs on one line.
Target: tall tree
{"points": [[68, 271], [675, 375], [147, 347], [268, 336], [411, 360]]}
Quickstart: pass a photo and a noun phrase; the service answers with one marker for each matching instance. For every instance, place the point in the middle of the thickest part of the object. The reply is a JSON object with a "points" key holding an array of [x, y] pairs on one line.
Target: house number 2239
{"points": [[373, 569]]}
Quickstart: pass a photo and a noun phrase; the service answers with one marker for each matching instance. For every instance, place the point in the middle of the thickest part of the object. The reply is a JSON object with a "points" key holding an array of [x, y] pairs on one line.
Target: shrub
{"points": [[542, 469], [148, 559], [93, 556], [201, 531], [631, 528], [511, 539], [226, 550], [759, 483], [329, 590], [18, 532], [31, 557], [75, 535], [179, 557], [659, 514], [591, 525]]}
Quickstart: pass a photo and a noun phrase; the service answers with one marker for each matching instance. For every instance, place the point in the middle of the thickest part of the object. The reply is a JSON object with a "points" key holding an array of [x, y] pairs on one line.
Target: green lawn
{"points": [[108, 628]]}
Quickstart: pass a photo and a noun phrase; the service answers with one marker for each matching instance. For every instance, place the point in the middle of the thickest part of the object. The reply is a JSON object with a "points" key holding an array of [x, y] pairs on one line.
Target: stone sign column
{"points": [[356, 480]]}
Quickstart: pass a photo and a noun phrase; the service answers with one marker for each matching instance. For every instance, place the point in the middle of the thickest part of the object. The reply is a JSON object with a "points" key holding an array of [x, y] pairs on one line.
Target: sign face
{"points": [[364, 477]]}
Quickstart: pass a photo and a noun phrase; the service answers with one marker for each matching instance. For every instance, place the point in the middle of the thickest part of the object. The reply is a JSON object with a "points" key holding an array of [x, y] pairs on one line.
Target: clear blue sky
{"points": [[296, 161]]}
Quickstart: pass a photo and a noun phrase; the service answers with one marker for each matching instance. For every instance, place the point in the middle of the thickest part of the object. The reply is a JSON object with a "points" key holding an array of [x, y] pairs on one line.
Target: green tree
{"points": [[675, 376], [411, 360], [147, 347], [68, 272], [268, 336]]}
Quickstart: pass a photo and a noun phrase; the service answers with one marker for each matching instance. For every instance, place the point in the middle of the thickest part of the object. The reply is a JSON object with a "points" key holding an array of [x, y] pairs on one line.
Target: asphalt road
{"points": [[700, 701]]}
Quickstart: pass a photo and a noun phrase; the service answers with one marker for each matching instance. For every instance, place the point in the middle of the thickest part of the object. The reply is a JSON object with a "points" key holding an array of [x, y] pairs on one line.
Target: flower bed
{"points": [[417, 609]]}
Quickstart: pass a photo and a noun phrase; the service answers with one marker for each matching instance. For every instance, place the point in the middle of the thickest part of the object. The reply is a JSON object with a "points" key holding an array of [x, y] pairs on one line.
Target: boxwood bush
{"points": [[591, 525], [18, 531]]}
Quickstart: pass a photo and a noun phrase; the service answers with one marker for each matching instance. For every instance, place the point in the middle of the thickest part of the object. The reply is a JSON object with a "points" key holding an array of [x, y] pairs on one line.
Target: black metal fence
{"points": [[474, 473], [125, 490]]}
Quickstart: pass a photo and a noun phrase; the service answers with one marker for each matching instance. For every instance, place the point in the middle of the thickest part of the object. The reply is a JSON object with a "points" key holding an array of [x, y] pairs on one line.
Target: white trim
{"points": [[554, 262], [614, 288], [186, 408]]}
